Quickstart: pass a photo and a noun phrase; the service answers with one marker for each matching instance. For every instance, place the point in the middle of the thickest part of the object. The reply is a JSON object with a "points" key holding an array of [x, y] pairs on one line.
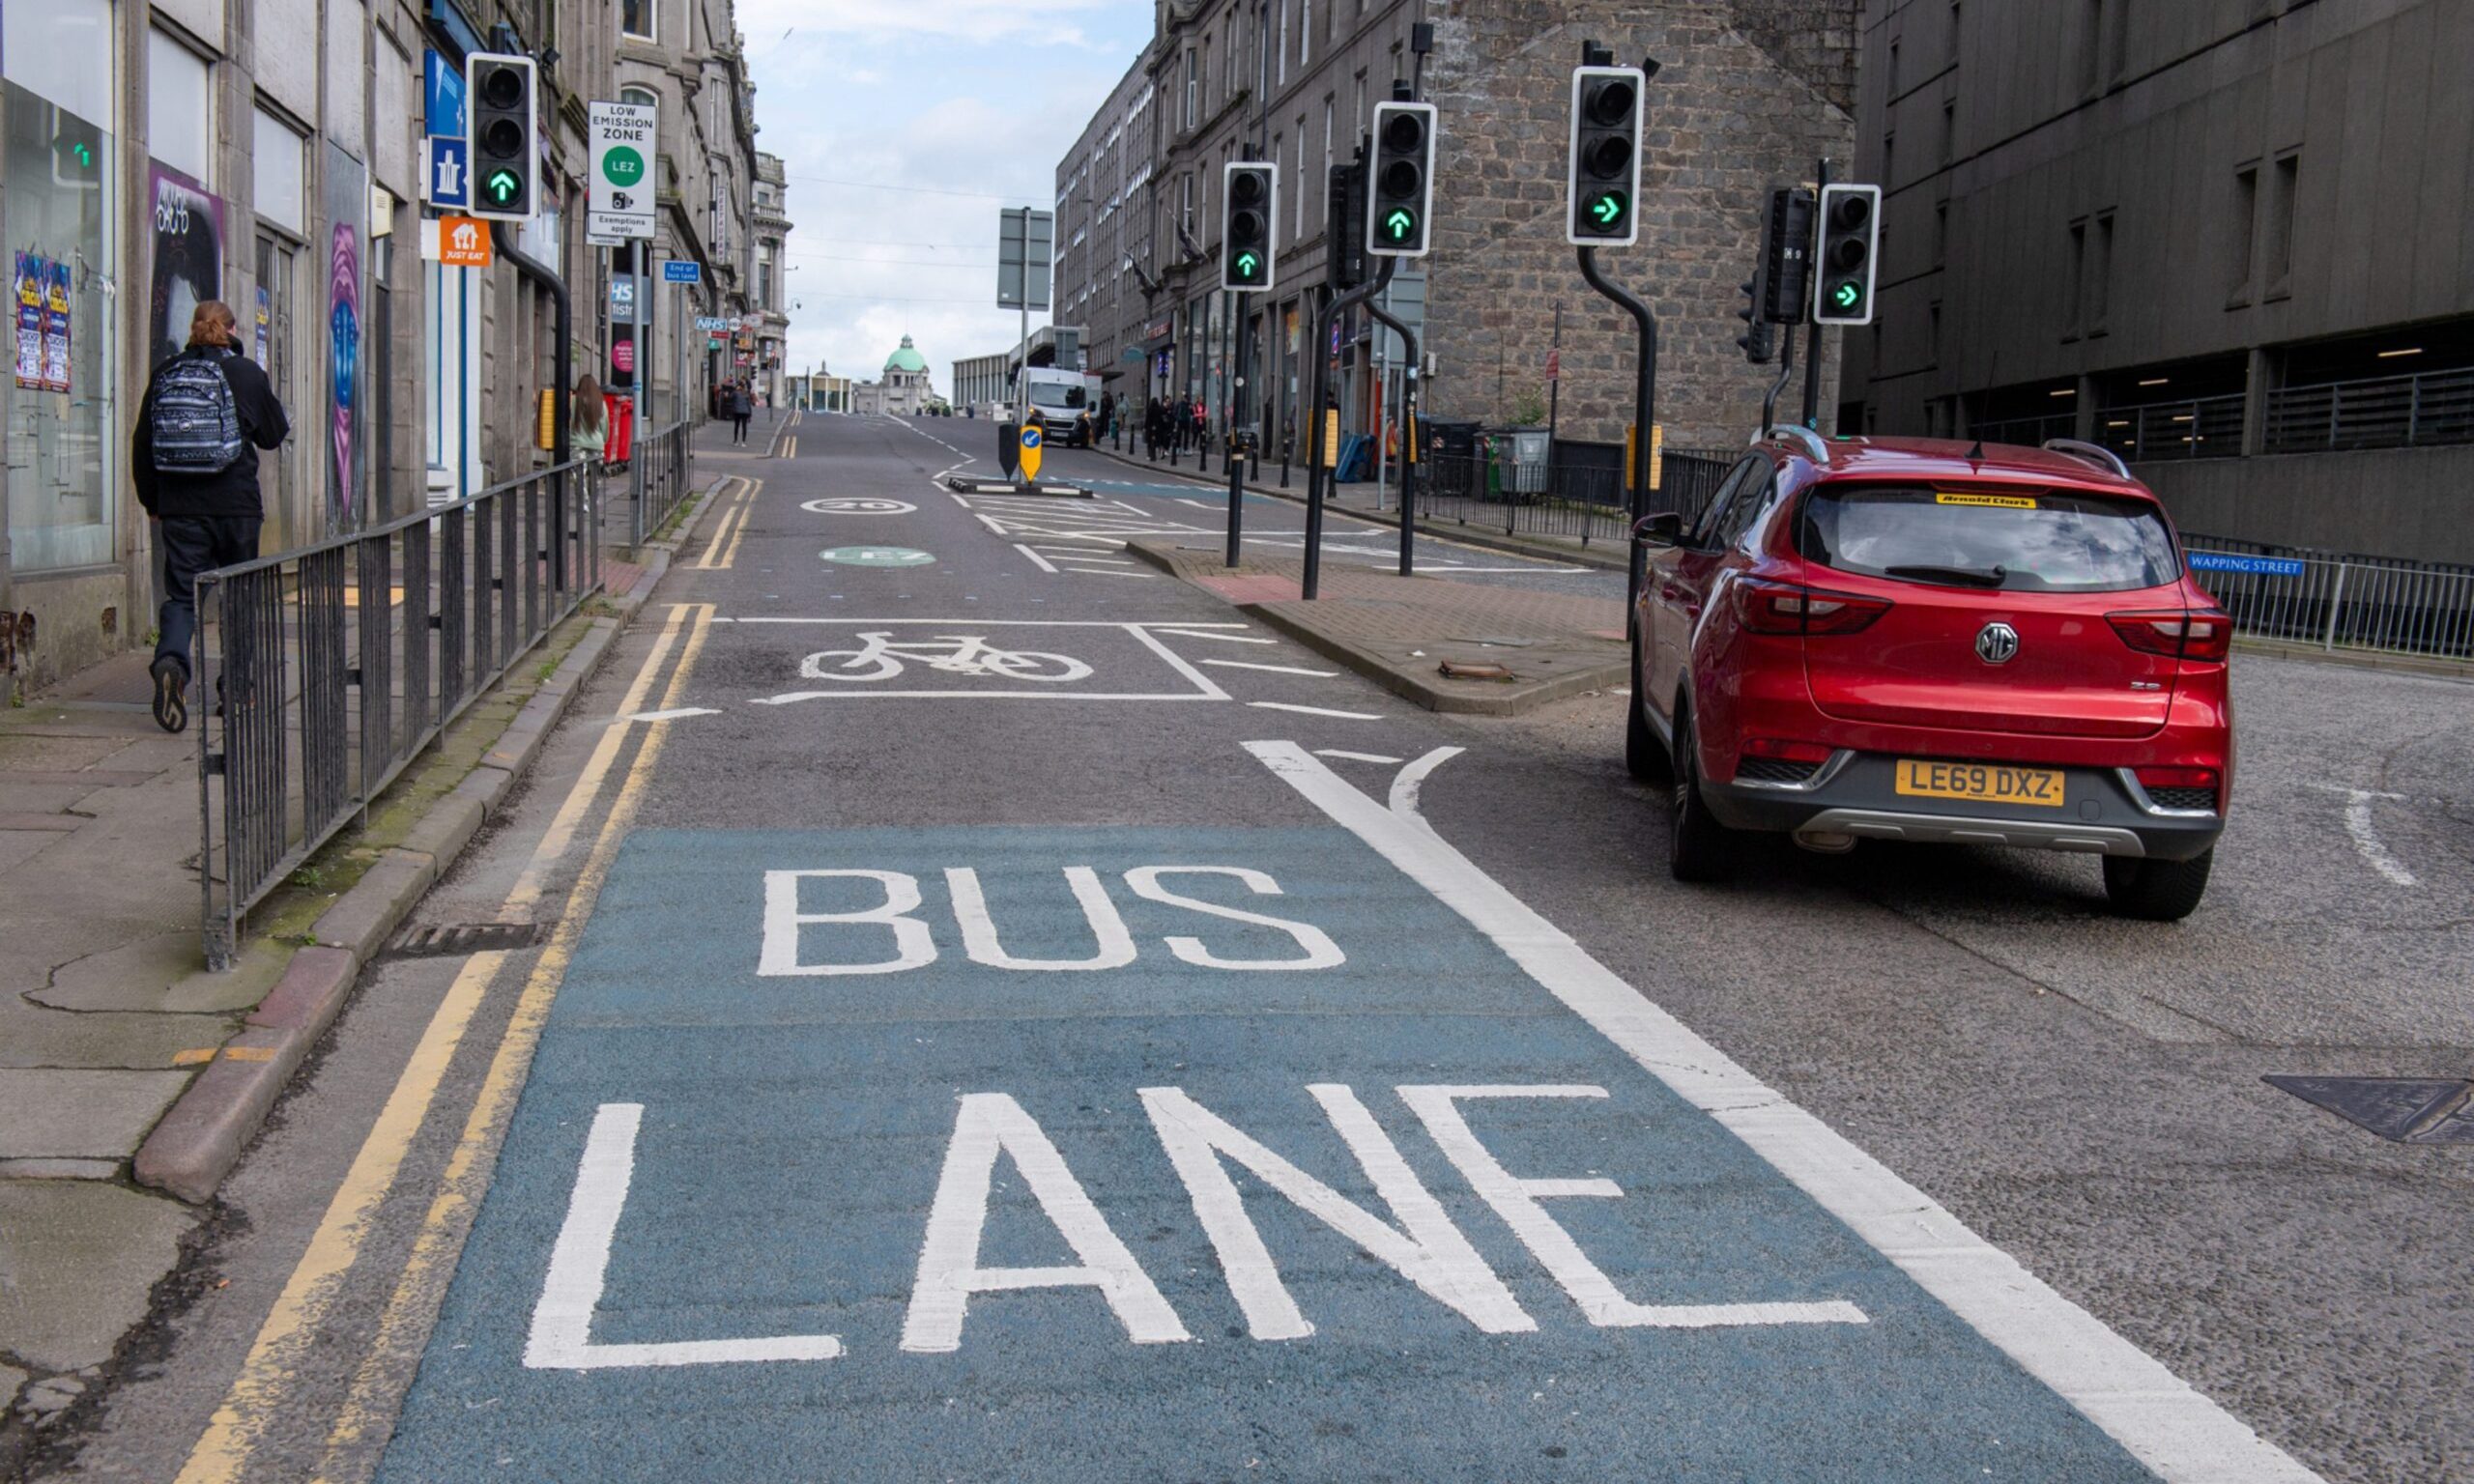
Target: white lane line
{"points": [[2366, 842], [1376, 757], [1404, 788], [1197, 503], [1104, 572], [2152, 1413], [1276, 670], [1232, 639], [1164, 626], [670, 715], [1103, 561], [1037, 559], [1177, 662], [1351, 716]]}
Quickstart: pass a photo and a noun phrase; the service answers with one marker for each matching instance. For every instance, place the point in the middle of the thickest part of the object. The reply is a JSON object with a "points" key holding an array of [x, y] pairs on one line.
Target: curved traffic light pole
{"points": [[1645, 394], [1409, 460], [1318, 478]]}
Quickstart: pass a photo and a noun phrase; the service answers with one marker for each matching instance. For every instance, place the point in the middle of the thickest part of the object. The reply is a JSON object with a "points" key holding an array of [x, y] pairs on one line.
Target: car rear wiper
{"points": [[1965, 576]]}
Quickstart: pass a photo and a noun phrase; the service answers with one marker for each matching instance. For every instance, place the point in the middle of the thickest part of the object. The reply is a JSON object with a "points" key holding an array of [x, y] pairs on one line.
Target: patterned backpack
{"points": [[196, 424]]}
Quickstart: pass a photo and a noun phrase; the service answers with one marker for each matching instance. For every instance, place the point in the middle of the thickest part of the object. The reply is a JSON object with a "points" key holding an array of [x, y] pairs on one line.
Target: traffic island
{"points": [[966, 484], [1447, 646]]}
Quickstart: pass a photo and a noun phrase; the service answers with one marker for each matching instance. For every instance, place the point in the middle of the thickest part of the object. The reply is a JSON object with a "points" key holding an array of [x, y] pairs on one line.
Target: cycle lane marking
{"points": [[872, 660]]}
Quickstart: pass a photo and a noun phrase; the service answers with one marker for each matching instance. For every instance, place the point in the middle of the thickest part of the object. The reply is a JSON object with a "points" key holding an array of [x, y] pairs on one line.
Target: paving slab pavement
{"points": [[78, 1268], [1402, 632]]}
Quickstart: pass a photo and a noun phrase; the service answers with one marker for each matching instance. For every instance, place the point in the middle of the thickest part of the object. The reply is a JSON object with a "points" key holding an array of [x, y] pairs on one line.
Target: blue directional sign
{"points": [[442, 97], [681, 271], [1140, 1153], [1030, 436], [2255, 566], [448, 173]]}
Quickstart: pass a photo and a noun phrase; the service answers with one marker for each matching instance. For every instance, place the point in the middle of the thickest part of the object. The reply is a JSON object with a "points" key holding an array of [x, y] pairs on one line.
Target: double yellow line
{"points": [[722, 548], [260, 1397]]}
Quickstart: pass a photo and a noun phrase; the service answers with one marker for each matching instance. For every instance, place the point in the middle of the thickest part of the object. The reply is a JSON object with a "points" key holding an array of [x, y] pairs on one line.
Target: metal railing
{"points": [[1572, 501], [668, 458], [2339, 602], [2389, 412], [2198, 428], [2024, 431], [337, 664]]}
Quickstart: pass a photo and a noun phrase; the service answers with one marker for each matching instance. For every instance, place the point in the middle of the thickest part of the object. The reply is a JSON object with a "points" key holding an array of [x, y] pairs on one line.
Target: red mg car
{"points": [[1921, 639]]}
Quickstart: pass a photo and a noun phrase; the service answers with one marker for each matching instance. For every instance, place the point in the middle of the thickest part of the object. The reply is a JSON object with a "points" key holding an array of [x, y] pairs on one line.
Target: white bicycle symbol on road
{"points": [[954, 655]]}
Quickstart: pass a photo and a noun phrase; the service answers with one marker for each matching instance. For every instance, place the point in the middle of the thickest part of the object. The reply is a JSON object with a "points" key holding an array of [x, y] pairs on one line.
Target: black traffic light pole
{"points": [[1318, 478], [1238, 302], [1645, 398], [1408, 423], [1812, 344]]}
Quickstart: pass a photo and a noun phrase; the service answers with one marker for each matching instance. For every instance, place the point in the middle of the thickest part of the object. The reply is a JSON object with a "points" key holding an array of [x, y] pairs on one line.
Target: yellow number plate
{"points": [[1985, 782]]}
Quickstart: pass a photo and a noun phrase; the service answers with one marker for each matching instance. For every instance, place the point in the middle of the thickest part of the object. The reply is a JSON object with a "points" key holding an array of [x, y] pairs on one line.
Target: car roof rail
{"points": [[2093, 453], [1812, 441]]}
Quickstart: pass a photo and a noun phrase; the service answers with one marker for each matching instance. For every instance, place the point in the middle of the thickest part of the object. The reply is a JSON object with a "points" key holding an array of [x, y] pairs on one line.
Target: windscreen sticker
{"points": [[1994, 501]]}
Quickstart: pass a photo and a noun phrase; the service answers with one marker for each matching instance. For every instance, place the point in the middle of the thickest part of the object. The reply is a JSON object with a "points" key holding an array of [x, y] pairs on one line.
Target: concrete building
{"points": [[771, 227], [904, 391], [983, 383], [1751, 93], [2219, 236], [270, 156]]}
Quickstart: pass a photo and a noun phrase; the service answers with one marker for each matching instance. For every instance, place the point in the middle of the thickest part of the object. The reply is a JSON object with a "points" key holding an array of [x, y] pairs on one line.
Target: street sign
{"points": [[1031, 441], [622, 298], [463, 242], [2255, 566], [681, 271], [620, 194], [1026, 245], [711, 322], [447, 177]]}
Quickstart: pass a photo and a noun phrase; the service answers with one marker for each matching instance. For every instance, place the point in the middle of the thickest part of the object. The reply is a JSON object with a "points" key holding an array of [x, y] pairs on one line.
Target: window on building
{"points": [[1889, 162], [1956, 14], [2287, 188], [1203, 87], [1193, 95], [1282, 70], [275, 156], [2100, 275], [180, 107], [2091, 27], [1303, 189], [1889, 74], [2244, 236], [1321, 187], [1932, 332], [1941, 234], [1305, 32], [639, 19], [1949, 132], [2074, 285]]}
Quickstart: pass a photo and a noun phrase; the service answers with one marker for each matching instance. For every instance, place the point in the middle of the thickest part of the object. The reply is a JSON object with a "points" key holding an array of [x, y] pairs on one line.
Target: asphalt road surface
{"points": [[1005, 1015]]}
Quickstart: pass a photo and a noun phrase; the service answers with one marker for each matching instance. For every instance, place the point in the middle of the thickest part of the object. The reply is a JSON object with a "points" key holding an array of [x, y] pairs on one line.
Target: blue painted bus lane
{"points": [[1133, 1153]]}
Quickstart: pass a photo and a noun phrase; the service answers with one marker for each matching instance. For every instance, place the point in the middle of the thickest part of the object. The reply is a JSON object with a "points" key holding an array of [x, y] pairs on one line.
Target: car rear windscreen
{"points": [[2007, 538]]}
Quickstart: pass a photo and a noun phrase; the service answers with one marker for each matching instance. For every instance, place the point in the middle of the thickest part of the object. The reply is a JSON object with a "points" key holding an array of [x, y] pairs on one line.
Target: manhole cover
{"points": [[453, 939], [2409, 1110]]}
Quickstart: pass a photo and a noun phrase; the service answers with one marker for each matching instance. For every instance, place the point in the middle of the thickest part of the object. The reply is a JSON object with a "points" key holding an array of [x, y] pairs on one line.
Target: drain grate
{"points": [[2408, 1110], [452, 939]]}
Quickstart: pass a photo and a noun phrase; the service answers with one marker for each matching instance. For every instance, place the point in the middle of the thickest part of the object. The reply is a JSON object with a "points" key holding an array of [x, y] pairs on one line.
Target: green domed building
{"points": [[904, 393]]}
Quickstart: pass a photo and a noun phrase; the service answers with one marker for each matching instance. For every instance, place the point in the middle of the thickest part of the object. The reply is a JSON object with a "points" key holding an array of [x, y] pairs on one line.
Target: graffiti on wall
{"points": [[189, 258]]}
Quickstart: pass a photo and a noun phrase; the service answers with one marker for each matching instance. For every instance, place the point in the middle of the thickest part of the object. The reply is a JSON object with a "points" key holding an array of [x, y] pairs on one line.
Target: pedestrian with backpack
{"points": [[194, 459]]}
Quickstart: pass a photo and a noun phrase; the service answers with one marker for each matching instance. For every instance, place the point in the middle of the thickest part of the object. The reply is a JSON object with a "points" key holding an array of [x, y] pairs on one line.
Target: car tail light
{"points": [[1783, 608], [2181, 787], [2193, 634], [1787, 752]]}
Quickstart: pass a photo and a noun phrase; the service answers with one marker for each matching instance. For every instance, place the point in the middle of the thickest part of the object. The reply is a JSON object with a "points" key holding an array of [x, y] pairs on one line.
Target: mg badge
{"points": [[1997, 643]]}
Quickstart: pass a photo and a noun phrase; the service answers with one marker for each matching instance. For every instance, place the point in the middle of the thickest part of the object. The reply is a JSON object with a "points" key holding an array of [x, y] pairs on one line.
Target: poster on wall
{"points": [[189, 258], [55, 329], [347, 201], [265, 318], [28, 276]]}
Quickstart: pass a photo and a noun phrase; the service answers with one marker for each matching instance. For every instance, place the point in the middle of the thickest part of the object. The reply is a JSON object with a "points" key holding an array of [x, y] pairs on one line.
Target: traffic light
{"points": [[1400, 195], [1344, 256], [1786, 255], [1249, 203], [1603, 178], [1759, 342], [1850, 239], [506, 149]]}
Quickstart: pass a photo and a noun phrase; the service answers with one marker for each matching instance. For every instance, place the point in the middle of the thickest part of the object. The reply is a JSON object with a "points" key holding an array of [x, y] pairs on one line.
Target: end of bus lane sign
{"points": [[620, 200]]}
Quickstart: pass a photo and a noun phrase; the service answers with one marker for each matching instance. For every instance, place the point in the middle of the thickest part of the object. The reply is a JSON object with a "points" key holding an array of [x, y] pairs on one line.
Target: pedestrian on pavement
{"points": [[742, 407], [194, 460], [587, 423], [1108, 414]]}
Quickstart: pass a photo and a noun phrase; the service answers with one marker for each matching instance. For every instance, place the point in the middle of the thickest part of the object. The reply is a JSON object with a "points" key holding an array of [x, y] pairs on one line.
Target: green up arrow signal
{"points": [[1607, 208], [502, 183], [1400, 225], [1246, 262], [1846, 296]]}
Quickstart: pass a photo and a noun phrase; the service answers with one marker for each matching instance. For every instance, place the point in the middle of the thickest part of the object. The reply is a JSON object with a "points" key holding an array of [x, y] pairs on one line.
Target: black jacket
{"points": [[234, 492]]}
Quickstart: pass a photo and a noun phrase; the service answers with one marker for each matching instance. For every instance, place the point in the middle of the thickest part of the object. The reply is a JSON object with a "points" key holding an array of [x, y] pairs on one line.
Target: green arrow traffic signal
{"points": [[1400, 225], [502, 185], [1847, 296], [1246, 262], [1606, 209]]}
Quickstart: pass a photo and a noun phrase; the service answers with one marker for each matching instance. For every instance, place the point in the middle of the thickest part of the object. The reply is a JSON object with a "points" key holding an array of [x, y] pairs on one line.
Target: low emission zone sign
{"points": [[619, 199]]}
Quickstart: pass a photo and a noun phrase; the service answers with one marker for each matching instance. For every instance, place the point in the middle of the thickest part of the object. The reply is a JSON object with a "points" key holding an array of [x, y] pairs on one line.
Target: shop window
{"points": [[61, 209], [180, 113], [276, 154]]}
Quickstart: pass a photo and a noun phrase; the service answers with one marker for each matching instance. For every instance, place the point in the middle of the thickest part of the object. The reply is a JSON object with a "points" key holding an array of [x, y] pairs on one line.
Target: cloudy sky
{"points": [[905, 126]]}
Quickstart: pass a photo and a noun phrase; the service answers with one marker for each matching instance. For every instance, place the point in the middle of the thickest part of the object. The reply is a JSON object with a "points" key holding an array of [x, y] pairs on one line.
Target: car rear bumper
{"points": [[1855, 796]]}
